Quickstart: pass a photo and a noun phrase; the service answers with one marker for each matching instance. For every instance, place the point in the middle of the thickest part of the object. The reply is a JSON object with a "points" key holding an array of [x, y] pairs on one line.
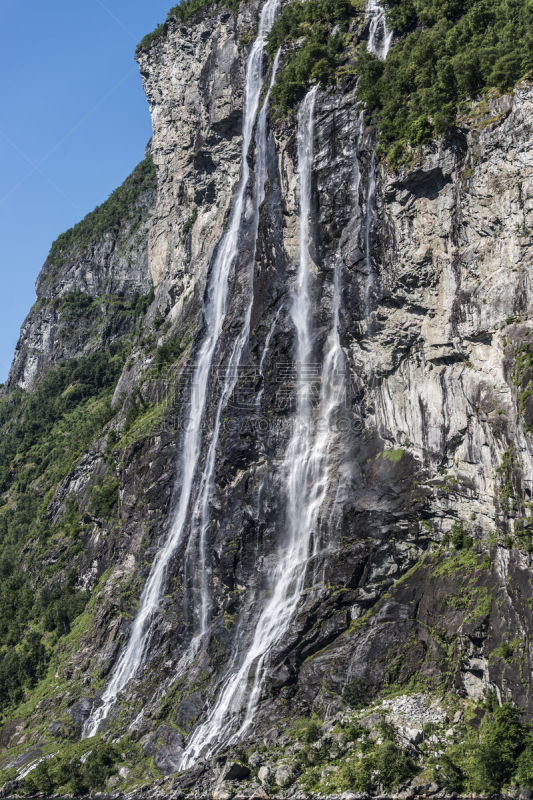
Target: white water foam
{"points": [[379, 35]]}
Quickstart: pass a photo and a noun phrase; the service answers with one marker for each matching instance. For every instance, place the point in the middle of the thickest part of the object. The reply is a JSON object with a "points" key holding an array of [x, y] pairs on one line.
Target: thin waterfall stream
{"points": [[379, 43], [379, 35], [214, 312]]}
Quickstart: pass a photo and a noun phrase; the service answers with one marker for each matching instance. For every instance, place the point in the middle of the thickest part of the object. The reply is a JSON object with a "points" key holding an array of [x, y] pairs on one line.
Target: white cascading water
{"points": [[264, 356], [307, 462], [369, 277], [305, 473], [215, 307], [201, 517], [236, 695], [259, 398], [379, 43], [379, 35]]}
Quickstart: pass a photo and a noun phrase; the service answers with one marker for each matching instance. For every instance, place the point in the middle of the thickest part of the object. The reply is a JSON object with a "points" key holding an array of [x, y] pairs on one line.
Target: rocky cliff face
{"points": [[419, 577]]}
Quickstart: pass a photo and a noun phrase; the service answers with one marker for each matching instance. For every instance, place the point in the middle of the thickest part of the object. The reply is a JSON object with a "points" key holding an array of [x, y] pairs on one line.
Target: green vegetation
{"points": [[105, 497], [490, 751], [169, 352], [78, 770], [118, 209], [188, 8], [393, 455], [356, 693], [369, 765], [189, 224], [522, 374], [387, 765], [76, 305], [136, 408], [43, 433], [460, 539], [150, 38], [496, 756], [308, 729], [465, 561], [445, 54], [322, 28]]}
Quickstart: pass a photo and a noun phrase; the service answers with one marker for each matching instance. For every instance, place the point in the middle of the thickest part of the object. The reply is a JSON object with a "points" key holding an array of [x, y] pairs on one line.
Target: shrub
{"points": [[105, 497], [169, 352], [392, 765], [459, 537], [356, 693], [501, 740], [308, 729], [136, 407], [189, 224], [450, 776], [524, 765]]}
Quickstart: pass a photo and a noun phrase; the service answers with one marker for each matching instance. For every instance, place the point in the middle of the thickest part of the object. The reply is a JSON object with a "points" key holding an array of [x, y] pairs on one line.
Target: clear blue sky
{"points": [[74, 122]]}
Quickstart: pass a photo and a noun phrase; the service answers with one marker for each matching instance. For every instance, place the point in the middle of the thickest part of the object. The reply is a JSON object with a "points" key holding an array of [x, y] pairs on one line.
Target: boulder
{"points": [[264, 774], [235, 771], [285, 775]]}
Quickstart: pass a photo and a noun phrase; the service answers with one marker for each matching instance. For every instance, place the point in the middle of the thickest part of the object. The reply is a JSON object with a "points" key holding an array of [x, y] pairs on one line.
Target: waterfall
{"points": [[201, 516], [259, 398], [214, 312], [379, 43], [369, 216], [262, 362], [241, 691], [379, 35]]}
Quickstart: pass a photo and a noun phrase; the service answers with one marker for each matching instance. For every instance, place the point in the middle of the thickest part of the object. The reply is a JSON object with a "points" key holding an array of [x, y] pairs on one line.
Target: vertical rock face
{"points": [[194, 81], [460, 256], [433, 453], [443, 389]]}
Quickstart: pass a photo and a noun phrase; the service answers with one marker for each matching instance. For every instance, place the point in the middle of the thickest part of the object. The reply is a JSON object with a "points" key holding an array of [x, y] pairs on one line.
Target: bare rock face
{"points": [[194, 81], [459, 289]]}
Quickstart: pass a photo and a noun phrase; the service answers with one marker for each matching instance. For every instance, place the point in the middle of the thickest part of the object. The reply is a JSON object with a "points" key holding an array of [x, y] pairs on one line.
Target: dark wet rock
{"points": [[233, 771], [81, 710]]}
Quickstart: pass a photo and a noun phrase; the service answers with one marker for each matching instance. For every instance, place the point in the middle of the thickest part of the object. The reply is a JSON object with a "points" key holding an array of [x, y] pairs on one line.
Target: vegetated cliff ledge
{"points": [[95, 283], [409, 652]]}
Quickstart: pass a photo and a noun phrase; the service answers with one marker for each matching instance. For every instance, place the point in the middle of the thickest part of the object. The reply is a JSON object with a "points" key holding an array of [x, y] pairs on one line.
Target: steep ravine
{"points": [[392, 306]]}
